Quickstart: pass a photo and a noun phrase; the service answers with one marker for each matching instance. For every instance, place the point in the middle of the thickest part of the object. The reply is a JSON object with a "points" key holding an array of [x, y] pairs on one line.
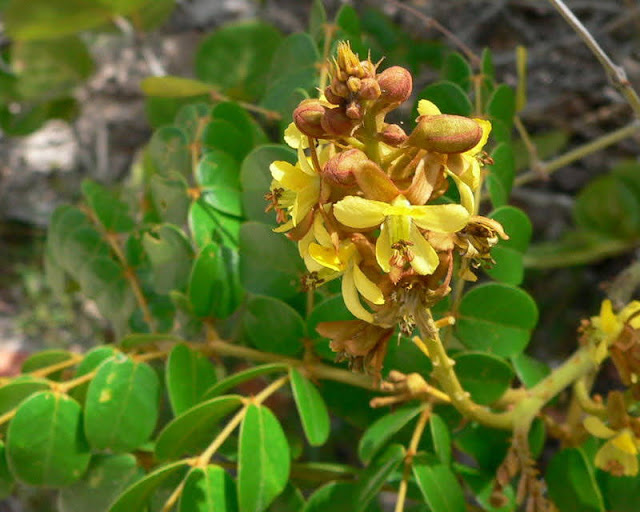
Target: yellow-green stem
{"points": [[546, 168]]}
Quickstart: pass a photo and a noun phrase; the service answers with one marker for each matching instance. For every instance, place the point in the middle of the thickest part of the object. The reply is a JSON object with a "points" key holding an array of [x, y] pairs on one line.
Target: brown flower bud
{"points": [[308, 118], [354, 111], [339, 88], [335, 122], [332, 97], [393, 135], [339, 170], [445, 133], [369, 68], [395, 85], [369, 89]]}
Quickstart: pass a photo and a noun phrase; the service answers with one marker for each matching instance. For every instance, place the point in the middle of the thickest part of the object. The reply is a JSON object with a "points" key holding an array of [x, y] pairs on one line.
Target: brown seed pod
{"points": [[354, 111], [395, 85], [445, 133], [308, 118]]}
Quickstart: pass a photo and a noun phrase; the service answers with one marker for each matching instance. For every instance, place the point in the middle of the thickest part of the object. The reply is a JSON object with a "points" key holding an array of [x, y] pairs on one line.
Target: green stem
{"points": [[603, 250], [545, 169]]}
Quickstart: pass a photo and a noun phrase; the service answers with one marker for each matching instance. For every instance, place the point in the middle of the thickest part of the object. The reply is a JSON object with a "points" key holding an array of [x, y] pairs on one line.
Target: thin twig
{"points": [[546, 168], [616, 73], [269, 114]]}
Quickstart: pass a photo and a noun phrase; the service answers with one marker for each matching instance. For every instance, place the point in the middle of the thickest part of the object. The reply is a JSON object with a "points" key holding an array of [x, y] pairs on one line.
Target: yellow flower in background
{"points": [[610, 325], [619, 455], [400, 239]]}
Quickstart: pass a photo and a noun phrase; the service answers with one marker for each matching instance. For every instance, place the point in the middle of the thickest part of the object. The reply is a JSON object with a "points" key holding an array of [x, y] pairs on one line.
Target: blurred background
{"points": [[93, 119]]}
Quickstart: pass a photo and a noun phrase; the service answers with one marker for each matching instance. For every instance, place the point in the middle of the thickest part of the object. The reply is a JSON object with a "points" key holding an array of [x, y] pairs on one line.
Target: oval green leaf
{"points": [[485, 376], [195, 428], [449, 97], [263, 460], [107, 477], [135, 498], [380, 431], [121, 407], [237, 378], [439, 486], [273, 326], [311, 408], [496, 318], [209, 489], [45, 442], [188, 375]]}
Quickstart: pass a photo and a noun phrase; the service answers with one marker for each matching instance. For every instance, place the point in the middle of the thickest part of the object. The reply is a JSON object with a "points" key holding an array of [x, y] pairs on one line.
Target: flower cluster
{"points": [[366, 201]]}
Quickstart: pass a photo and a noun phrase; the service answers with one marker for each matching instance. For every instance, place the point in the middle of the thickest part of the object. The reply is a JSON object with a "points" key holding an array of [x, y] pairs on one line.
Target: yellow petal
{"points": [[624, 442], [351, 297], [305, 200], [486, 130], [441, 218], [294, 137], [358, 212], [367, 288], [608, 320], [304, 163], [466, 194], [289, 176], [326, 256], [284, 227], [320, 232], [609, 456], [629, 310], [596, 427], [425, 258], [383, 249], [427, 108]]}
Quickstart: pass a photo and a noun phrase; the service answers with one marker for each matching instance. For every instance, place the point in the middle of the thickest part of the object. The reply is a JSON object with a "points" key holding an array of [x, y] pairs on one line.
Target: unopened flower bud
{"points": [[369, 89], [308, 118], [353, 84], [332, 97], [336, 122], [395, 85], [368, 68], [393, 135], [354, 111], [445, 133], [339, 170], [339, 88]]}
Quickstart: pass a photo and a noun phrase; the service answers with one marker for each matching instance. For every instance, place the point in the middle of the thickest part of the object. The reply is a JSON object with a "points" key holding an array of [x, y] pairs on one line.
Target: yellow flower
{"points": [[296, 188], [329, 262], [610, 325], [619, 455], [400, 239]]}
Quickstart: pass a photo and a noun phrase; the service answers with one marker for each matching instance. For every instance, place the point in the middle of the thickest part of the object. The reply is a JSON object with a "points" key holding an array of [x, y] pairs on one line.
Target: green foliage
{"points": [[188, 271]]}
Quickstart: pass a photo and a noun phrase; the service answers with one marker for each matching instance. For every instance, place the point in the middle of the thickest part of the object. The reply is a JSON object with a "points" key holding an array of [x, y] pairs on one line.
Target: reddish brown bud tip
{"points": [[395, 85], [339, 170], [335, 122], [369, 89], [445, 133], [332, 97], [354, 111], [308, 118], [393, 135]]}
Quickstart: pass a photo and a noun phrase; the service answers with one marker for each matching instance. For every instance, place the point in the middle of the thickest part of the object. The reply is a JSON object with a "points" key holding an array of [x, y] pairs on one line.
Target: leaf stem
{"points": [[408, 459], [544, 169], [272, 115]]}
